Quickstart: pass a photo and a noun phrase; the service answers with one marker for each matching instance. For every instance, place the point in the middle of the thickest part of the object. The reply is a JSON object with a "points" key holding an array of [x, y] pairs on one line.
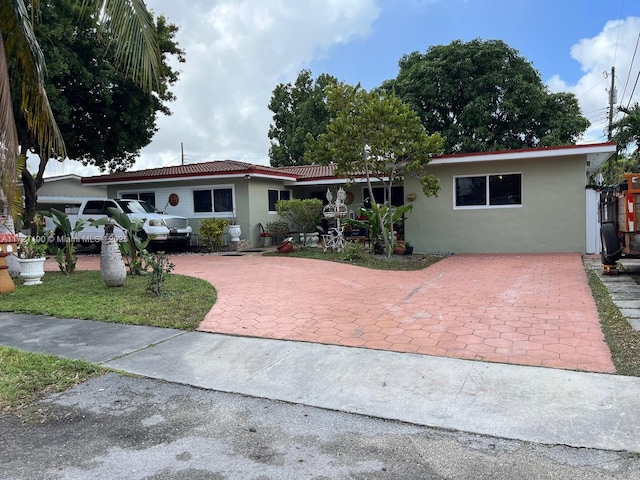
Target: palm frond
{"points": [[22, 47], [131, 31]]}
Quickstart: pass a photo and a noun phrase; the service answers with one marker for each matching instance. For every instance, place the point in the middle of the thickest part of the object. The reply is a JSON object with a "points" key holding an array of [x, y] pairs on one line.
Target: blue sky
{"points": [[237, 51], [542, 31]]}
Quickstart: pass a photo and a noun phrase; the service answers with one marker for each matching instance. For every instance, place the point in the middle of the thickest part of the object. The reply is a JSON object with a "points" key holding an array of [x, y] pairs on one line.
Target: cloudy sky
{"points": [[237, 51]]}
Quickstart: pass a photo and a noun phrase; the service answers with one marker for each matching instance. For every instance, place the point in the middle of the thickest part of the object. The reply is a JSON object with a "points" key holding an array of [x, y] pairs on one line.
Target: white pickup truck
{"points": [[160, 227]]}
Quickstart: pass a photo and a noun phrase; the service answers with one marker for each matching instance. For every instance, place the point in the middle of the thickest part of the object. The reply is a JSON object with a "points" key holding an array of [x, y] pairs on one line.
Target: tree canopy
{"points": [[104, 117], [298, 110], [375, 135], [483, 96]]}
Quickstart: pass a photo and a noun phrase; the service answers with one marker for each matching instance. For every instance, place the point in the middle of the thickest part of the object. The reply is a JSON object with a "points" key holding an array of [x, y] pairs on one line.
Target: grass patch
{"points": [[623, 341], [26, 377], [375, 262], [83, 295]]}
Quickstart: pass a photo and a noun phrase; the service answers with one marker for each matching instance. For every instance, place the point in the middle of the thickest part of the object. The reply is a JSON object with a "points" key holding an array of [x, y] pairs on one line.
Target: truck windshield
{"points": [[136, 206]]}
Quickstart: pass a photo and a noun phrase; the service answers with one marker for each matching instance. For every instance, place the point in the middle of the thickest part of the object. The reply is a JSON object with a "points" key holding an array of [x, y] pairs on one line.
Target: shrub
{"points": [[304, 214], [352, 251], [211, 232], [277, 230], [159, 265]]}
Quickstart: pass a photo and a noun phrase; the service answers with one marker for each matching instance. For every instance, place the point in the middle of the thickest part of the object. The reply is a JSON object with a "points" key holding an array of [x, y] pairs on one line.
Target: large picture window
{"points": [[488, 190], [275, 195], [216, 200]]}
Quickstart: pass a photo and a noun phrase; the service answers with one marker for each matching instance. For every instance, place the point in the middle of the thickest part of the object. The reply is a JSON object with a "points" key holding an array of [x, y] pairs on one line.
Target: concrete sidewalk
{"points": [[539, 405]]}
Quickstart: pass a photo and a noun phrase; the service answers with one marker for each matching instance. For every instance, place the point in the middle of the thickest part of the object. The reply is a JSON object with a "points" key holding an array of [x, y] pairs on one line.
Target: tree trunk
{"points": [[30, 201], [31, 187]]}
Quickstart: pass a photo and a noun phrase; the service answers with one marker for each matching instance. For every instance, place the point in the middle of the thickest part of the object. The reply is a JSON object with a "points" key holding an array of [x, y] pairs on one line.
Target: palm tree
{"points": [[126, 25], [627, 129]]}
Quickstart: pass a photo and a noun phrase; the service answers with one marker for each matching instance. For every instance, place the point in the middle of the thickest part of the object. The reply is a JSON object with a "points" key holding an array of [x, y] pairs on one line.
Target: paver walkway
{"points": [[531, 309]]}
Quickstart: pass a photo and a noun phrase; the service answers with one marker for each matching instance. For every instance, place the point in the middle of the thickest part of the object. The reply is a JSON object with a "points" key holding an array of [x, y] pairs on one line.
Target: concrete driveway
{"points": [[527, 309]]}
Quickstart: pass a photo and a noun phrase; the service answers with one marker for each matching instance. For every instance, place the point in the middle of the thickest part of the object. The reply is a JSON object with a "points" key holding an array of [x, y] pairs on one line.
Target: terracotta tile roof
{"points": [[219, 167], [307, 172], [304, 172]]}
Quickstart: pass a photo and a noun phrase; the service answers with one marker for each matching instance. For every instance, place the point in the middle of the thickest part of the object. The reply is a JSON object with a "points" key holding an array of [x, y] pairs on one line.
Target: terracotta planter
{"points": [[285, 247], [399, 248]]}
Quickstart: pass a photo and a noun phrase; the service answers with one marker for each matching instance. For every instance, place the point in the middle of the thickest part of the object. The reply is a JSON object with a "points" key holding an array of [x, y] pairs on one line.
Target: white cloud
{"points": [[237, 51], [614, 46]]}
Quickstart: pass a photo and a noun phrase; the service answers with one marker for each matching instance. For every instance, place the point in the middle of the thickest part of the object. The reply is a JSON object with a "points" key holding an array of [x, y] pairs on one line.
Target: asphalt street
{"points": [[121, 427]]}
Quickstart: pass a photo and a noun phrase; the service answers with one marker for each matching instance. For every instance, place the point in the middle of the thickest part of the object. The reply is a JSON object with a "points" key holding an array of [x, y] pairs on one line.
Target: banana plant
{"points": [[379, 219], [66, 256], [134, 247]]}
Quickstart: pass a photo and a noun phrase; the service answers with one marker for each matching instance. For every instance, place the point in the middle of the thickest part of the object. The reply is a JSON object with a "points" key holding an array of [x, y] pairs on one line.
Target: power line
{"points": [[634, 88], [594, 86], [633, 58]]}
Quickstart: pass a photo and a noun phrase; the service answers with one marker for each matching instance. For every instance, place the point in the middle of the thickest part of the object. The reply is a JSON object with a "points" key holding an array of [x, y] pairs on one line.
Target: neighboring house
{"points": [[513, 201], [67, 191]]}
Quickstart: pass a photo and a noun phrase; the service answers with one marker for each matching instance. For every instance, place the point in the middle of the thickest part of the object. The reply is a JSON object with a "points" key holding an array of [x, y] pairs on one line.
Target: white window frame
{"points": [[137, 192], [488, 205], [213, 214]]}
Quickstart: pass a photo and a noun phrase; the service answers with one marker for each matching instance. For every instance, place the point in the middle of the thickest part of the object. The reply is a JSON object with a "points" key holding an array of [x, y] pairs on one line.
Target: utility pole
{"points": [[182, 150], [608, 167], [612, 99]]}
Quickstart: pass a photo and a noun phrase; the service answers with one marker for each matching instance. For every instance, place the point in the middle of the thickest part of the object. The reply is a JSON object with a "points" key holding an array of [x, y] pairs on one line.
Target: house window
{"points": [[488, 190], [275, 195], [149, 197], [380, 195], [216, 200]]}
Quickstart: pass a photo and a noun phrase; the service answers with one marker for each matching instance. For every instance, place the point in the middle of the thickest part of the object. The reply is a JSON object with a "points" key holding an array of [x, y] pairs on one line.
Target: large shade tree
{"points": [[104, 117], [298, 110], [483, 96], [126, 25], [375, 135]]}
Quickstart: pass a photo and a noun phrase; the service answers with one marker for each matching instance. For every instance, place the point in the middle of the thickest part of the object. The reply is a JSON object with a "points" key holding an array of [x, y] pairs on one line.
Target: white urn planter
{"points": [[112, 268], [310, 239], [32, 270], [235, 232]]}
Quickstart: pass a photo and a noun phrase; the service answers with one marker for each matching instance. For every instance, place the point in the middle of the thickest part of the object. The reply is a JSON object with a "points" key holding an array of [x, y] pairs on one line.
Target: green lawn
{"points": [[83, 295], [623, 341], [26, 377]]}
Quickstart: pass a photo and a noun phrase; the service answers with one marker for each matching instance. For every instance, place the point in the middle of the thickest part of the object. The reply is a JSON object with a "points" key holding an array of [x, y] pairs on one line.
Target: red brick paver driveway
{"points": [[524, 309], [528, 309]]}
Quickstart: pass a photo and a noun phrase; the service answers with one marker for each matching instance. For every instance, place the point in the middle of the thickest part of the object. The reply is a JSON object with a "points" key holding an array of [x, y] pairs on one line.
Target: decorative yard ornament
{"points": [[112, 268]]}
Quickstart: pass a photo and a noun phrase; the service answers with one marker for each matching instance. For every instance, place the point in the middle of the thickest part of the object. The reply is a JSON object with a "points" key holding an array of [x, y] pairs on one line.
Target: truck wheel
{"points": [[611, 248]]}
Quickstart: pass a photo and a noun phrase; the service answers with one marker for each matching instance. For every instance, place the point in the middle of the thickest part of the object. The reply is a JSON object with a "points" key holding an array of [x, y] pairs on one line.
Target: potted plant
{"points": [[277, 230], [234, 229], [408, 248], [31, 257]]}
